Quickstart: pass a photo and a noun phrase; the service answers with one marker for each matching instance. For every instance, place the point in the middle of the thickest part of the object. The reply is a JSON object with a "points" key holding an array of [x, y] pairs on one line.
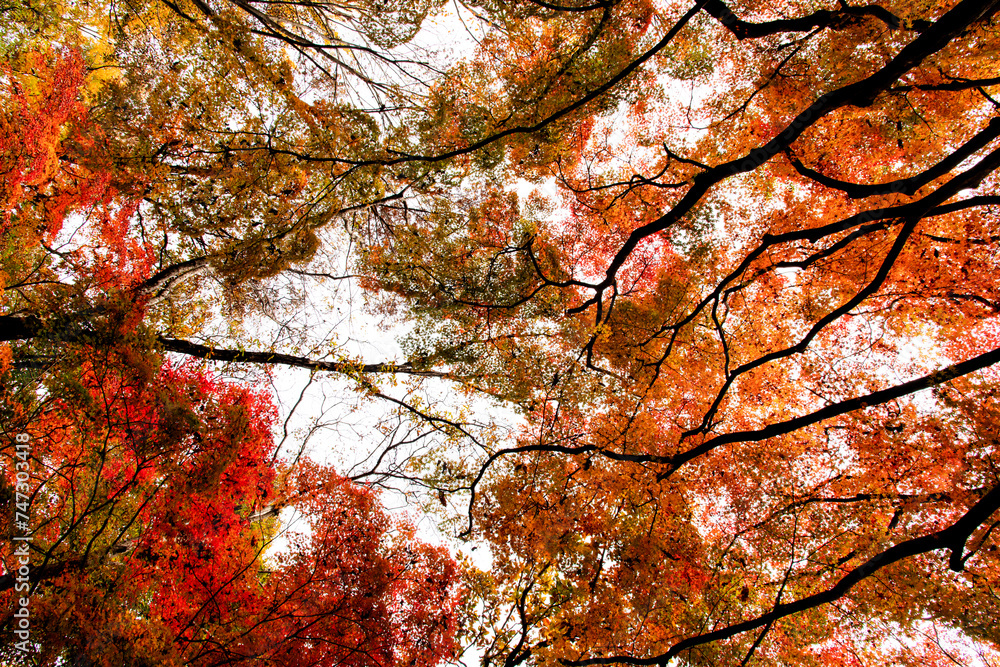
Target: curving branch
{"points": [[953, 538], [775, 429], [907, 186], [158, 287], [674, 462], [582, 8], [824, 18], [876, 219]]}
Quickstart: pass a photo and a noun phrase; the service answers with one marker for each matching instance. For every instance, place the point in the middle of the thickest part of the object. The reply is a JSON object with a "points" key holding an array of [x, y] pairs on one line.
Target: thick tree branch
{"points": [[41, 573], [29, 327], [277, 359], [824, 18], [157, 287]]}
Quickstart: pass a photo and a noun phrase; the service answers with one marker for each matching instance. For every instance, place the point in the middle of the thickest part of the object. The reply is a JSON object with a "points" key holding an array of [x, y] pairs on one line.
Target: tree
{"points": [[759, 235], [723, 327], [153, 496], [154, 488]]}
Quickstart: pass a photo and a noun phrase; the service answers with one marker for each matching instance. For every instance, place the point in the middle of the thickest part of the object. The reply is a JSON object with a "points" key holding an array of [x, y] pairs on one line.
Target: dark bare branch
{"points": [[824, 18]]}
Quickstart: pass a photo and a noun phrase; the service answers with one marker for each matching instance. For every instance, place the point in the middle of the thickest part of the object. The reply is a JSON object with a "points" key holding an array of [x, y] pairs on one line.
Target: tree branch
{"points": [[834, 410], [275, 358], [907, 186], [824, 18], [157, 287], [953, 538]]}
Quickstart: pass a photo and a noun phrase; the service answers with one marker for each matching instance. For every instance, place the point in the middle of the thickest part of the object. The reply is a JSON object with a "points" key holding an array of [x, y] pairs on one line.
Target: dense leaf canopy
{"points": [[693, 310]]}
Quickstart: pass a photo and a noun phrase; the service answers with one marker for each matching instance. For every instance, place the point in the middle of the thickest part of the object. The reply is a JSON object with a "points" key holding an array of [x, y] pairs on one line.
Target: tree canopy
{"points": [[694, 315]]}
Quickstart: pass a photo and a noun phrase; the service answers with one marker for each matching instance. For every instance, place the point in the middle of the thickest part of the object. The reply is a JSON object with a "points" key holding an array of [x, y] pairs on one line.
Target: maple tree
{"points": [[725, 460], [155, 489], [746, 318], [155, 495]]}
